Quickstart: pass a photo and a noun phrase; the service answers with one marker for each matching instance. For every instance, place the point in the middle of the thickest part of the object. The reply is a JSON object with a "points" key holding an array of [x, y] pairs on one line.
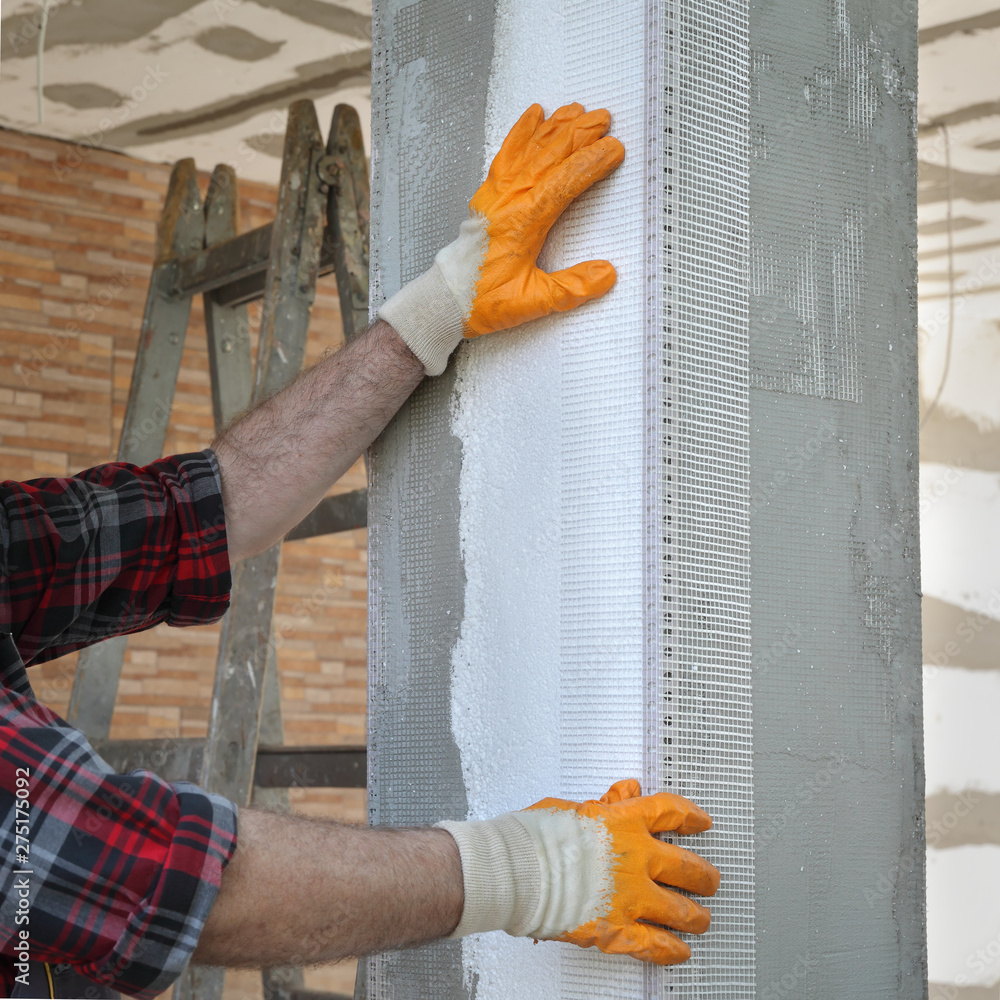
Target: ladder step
{"points": [[343, 512], [235, 269], [276, 767], [311, 767]]}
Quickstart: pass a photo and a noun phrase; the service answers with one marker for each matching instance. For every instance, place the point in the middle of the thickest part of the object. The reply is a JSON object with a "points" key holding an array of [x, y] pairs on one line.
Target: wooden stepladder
{"points": [[321, 225]]}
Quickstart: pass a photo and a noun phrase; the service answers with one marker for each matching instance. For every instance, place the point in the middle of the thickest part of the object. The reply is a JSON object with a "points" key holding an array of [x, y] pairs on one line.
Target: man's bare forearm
{"points": [[280, 459], [301, 891]]}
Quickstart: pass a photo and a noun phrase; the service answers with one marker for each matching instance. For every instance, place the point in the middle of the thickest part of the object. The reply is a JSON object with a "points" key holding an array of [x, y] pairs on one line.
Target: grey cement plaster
{"points": [[312, 80], [93, 22], [237, 44], [970, 113], [957, 224], [964, 248], [268, 143], [838, 768], [430, 71], [979, 22], [83, 95], [329, 16], [965, 185], [948, 991], [954, 637], [838, 772]]}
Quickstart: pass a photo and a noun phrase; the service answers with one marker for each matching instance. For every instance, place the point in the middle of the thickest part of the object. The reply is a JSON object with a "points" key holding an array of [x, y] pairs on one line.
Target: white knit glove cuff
{"points": [[426, 316], [535, 873], [502, 874]]}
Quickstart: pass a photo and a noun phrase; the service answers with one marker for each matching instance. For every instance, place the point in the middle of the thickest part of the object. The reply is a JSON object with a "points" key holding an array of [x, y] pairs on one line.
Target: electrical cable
{"points": [[951, 281], [41, 49]]}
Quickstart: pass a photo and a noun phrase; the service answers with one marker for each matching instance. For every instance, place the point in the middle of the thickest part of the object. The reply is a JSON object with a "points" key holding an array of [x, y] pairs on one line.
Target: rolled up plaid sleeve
{"points": [[119, 871], [116, 549], [113, 874]]}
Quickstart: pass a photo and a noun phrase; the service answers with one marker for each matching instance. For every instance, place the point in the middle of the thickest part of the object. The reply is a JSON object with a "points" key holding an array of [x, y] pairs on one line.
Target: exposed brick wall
{"points": [[76, 248]]}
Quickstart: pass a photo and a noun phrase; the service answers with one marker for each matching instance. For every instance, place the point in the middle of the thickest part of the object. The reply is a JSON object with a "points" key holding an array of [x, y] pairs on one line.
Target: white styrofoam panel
{"points": [[547, 681], [961, 735], [963, 919]]}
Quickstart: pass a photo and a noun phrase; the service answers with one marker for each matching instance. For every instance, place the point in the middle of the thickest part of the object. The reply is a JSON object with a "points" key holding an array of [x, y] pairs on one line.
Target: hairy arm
{"points": [[279, 460], [302, 891]]}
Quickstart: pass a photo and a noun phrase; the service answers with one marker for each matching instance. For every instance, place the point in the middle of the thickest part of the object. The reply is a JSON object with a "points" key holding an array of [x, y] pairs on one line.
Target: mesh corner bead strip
{"points": [[703, 480], [596, 548]]}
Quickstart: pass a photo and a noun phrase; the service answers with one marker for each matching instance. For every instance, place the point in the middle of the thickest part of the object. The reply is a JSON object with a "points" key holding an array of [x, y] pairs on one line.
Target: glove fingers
{"points": [[664, 812], [535, 145], [590, 127], [511, 152], [534, 154], [648, 944], [671, 909], [546, 129], [621, 790], [672, 865], [513, 302], [568, 137], [660, 946], [574, 175], [564, 290]]}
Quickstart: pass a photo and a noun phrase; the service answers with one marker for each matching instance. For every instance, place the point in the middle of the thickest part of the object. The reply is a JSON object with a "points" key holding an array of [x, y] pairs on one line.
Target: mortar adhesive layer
{"points": [[429, 72]]}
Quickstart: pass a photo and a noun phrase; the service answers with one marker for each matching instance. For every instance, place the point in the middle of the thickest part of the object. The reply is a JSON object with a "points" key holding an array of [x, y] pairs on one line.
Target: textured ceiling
{"points": [[959, 109], [164, 79]]}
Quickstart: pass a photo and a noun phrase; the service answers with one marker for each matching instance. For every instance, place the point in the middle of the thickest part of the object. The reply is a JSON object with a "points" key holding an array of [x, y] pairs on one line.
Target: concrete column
{"points": [[674, 533]]}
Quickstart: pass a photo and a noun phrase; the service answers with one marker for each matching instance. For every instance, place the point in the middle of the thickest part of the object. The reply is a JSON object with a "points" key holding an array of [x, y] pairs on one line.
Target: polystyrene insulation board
{"points": [[565, 527]]}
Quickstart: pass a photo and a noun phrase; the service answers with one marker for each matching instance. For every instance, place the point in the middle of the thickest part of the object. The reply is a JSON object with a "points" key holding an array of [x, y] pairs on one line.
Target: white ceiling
{"points": [[165, 79]]}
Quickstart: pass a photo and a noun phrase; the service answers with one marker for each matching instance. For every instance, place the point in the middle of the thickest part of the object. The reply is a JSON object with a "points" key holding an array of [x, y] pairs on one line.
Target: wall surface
{"points": [[959, 213], [590, 535], [76, 247]]}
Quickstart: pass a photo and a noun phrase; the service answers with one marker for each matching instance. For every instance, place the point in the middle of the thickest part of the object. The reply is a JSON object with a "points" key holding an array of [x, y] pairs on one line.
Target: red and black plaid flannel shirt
{"points": [[123, 868]]}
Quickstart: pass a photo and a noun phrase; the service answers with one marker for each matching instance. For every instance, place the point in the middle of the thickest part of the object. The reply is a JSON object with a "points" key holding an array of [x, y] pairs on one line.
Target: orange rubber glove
{"points": [[590, 873], [487, 279]]}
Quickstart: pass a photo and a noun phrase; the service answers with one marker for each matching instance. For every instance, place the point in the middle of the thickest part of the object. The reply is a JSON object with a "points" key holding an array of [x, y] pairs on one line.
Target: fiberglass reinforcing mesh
{"points": [[704, 472]]}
